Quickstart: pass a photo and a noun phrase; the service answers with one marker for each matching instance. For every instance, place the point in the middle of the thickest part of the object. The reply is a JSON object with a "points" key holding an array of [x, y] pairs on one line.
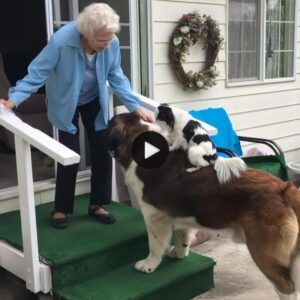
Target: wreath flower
{"points": [[191, 29]]}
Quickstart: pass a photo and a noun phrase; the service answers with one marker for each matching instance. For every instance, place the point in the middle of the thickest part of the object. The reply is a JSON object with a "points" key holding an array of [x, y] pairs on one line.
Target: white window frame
{"points": [[262, 79], [150, 9], [135, 46]]}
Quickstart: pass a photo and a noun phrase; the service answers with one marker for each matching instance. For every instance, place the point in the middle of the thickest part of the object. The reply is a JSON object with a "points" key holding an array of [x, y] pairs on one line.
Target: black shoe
{"points": [[59, 223], [104, 218]]}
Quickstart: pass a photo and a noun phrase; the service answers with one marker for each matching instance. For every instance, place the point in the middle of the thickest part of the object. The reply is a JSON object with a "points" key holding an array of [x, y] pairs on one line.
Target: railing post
{"points": [[28, 217], [114, 190]]}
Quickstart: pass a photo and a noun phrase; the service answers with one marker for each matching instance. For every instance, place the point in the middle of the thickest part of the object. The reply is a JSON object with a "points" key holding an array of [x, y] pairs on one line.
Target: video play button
{"points": [[150, 150]]}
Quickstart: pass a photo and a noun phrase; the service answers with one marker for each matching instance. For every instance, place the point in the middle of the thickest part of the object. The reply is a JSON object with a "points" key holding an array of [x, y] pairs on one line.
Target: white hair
{"points": [[98, 16]]}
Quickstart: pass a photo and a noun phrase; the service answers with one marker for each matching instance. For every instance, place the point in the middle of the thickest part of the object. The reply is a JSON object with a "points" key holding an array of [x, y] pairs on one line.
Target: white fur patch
{"points": [[227, 168], [151, 126]]}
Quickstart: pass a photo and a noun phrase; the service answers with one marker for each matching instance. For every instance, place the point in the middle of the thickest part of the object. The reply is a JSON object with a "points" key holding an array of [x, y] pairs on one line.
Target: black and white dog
{"points": [[182, 131]]}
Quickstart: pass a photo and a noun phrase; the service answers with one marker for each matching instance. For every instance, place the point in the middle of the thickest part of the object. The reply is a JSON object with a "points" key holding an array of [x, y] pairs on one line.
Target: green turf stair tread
{"points": [[174, 279], [84, 236]]}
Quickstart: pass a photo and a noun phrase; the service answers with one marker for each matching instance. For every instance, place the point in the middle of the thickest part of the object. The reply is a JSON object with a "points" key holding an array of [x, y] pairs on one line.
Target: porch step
{"points": [[90, 258], [174, 279]]}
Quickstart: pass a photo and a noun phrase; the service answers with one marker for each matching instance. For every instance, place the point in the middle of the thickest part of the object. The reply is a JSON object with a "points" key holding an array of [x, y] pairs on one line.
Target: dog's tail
{"points": [[227, 168]]}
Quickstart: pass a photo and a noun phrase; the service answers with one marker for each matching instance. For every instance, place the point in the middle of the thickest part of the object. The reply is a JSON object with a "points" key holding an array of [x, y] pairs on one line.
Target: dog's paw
{"points": [[174, 147], [190, 170], [145, 266]]}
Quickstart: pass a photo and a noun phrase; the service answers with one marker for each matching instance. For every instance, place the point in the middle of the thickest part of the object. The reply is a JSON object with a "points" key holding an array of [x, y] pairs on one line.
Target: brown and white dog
{"points": [[263, 210]]}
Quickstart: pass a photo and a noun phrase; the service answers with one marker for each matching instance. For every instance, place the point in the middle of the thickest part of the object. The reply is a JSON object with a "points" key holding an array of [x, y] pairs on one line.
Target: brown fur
{"points": [[264, 207]]}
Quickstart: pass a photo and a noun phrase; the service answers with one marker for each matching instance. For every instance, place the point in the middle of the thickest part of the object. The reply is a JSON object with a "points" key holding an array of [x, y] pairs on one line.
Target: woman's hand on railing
{"points": [[143, 115], [8, 103]]}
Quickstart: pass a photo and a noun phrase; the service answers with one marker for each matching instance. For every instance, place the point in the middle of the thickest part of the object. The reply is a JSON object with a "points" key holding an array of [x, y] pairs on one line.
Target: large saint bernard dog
{"points": [[262, 210]]}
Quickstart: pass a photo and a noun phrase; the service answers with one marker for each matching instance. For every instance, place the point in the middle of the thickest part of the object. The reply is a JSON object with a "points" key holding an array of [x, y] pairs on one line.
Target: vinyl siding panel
{"points": [[171, 11]]}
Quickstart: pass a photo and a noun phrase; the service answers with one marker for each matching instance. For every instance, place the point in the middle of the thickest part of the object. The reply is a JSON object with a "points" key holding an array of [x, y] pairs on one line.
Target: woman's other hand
{"points": [[8, 103]]}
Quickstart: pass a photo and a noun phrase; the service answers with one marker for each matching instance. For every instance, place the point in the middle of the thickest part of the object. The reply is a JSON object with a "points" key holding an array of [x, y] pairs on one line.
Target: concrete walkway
{"points": [[236, 275]]}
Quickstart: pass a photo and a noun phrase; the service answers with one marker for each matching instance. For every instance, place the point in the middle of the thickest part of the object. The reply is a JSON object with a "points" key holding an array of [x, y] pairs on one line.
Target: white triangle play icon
{"points": [[150, 150]]}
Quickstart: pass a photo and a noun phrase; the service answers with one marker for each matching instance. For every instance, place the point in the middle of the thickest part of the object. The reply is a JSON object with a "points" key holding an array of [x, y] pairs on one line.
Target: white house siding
{"points": [[44, 193], [264, 110]]}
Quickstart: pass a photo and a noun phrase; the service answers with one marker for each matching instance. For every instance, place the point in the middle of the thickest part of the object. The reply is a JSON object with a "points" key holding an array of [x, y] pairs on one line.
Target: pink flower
{"points": [[184, 18]]}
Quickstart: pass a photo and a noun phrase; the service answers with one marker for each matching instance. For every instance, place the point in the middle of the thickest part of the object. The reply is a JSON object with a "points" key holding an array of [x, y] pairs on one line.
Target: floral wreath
{"points": [[191, 28]]}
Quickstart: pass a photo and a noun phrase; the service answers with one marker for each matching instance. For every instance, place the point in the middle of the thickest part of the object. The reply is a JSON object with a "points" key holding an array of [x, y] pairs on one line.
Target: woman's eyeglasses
{"points": [[103, 42]]}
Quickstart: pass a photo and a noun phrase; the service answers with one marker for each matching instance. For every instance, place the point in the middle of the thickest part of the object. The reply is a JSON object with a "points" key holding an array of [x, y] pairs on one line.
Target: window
{"points": [[261, 37]]}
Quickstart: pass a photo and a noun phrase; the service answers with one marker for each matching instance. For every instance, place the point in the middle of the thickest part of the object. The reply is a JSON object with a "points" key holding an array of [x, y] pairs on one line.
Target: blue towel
{"points": [[226, 137]]}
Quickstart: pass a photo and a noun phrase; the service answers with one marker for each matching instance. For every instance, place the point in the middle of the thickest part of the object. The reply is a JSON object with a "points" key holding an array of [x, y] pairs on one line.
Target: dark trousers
{"points": [[101, 163]]}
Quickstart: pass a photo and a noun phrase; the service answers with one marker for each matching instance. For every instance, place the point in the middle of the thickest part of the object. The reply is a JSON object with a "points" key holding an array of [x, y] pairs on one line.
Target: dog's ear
{"points": [[189, 129], [165, 114]]}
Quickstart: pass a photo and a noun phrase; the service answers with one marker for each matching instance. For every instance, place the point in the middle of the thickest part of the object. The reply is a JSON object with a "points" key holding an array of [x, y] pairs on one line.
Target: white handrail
{"points": [[37, 138], [148, 103], [29, 267]]}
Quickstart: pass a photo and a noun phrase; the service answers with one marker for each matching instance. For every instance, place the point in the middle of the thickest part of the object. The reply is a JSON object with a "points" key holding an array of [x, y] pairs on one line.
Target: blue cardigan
{"points": [[60, 65]]}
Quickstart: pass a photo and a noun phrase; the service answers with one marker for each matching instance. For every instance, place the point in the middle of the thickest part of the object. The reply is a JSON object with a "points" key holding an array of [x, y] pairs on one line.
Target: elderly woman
{"points": [[75, 65]]}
